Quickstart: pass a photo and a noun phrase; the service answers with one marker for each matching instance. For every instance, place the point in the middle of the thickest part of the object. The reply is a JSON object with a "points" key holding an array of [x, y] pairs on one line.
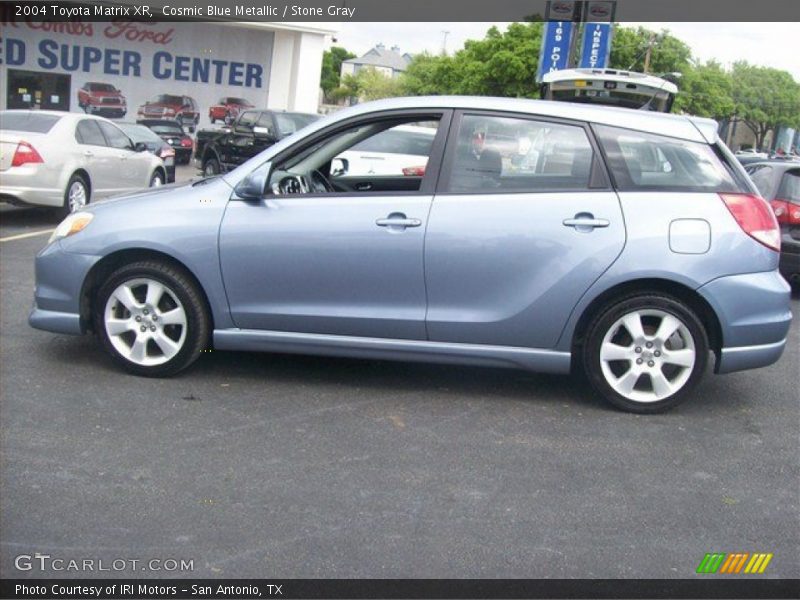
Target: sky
{"points": [[766, 44]]}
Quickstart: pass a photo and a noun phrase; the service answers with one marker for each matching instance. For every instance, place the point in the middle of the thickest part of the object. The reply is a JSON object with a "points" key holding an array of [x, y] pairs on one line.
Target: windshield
{"points": [[139, 133], [167, 129], [102, 87], [288, 123], [167, 99]]}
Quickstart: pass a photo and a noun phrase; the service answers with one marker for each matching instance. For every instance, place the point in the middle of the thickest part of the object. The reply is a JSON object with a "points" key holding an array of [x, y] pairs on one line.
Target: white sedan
{"points": [[64, 160]]}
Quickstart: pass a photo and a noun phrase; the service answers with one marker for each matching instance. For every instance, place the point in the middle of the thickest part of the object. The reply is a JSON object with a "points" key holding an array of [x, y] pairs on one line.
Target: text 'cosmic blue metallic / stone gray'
{"points": [[546, 236]]}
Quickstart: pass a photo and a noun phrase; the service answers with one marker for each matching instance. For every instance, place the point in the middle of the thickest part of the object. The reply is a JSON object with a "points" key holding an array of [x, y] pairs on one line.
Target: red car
{"points": [[227, 109], [167, 106], [103, 99]]}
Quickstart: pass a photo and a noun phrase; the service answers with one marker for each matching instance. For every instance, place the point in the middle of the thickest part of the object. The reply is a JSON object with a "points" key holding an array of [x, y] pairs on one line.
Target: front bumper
{"points": [[754, 314], [60, 277]]}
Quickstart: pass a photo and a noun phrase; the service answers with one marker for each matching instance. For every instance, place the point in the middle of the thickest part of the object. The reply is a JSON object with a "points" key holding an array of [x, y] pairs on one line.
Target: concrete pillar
{"points": [[295, 74]]}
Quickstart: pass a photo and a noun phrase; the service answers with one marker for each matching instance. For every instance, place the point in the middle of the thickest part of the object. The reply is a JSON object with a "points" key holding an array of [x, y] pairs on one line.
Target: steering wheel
{"points": [[320, 183]]}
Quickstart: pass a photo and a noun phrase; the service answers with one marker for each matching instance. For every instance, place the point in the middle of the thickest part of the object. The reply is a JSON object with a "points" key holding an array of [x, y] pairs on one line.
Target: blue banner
{"points": [[555, 47], [596, 46]]}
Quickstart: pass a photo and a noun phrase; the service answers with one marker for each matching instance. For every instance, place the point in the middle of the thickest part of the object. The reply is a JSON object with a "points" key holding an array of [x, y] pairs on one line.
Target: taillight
{"points": [[186, 143], [755, 217], [167, 152], [786, 212], [25, 154], [414, 171]]}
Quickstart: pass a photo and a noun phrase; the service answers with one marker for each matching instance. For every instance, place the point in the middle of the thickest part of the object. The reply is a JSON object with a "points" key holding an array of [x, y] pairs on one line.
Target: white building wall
{"points": [[296, 69]]}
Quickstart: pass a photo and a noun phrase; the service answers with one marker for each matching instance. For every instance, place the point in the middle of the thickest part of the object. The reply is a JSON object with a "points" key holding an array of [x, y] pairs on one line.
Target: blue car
{"points": [[547, 236]]}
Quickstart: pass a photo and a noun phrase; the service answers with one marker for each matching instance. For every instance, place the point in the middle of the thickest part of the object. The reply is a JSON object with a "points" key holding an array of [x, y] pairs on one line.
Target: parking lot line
{"points": [[22, 236]]}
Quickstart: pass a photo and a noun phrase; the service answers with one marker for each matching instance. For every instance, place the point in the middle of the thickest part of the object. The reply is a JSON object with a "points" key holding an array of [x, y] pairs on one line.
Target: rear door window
{"points": [[89, 133], [508, 154], [649, 162]]}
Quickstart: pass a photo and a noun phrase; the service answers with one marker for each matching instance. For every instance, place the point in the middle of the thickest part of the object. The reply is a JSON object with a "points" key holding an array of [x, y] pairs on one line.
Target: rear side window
{"points": [[25, 121], [762, 176], [649, 162], [790, 187], [89, 133], [508, 154]]}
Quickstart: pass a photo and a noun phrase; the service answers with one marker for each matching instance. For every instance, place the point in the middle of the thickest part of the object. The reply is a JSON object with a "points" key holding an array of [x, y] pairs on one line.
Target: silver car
{"points": [[65, 160], [547, 236]]}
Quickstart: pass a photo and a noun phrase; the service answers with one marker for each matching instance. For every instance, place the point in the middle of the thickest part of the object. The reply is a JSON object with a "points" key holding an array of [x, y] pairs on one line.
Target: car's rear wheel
{"points": [[151, 318], [646, 352], [211, 167]]}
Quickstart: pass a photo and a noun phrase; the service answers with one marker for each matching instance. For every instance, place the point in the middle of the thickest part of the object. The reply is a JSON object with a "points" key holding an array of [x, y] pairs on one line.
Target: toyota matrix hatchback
{"points": [[544, 236]]}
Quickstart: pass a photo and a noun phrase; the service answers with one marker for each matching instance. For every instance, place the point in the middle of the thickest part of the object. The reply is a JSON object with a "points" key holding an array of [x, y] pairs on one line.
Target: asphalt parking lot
{"points": [[261, 465]]}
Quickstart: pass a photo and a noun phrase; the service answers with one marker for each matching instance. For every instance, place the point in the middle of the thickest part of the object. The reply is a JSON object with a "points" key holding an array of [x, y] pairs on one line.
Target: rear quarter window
{"points": [[648, 162]]}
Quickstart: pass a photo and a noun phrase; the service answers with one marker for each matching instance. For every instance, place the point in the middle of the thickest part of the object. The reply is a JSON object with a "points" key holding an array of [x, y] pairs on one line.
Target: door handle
{"points": [[398, 220], [363, 187], [585, 222]]}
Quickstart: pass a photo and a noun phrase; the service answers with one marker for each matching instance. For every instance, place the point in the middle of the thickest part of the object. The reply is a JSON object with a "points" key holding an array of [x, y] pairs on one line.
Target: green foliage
{"points": [[501, 64], [706, 91], [765, 99], [369, 84], [331, 68], [629, 47]]}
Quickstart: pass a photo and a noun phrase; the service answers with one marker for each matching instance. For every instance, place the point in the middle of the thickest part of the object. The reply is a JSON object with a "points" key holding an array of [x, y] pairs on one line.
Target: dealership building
{"points": [[58, 65]]}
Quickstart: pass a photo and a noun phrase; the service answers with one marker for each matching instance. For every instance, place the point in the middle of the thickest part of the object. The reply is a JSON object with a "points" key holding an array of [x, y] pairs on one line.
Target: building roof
{"points": [[380, 56]]}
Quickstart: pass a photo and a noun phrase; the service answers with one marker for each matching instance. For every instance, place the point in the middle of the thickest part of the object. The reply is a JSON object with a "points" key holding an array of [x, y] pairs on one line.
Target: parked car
{"points": [[103, 99], [172, 133], [252, 132], [227, 109], [779, 183], [402, 150], [634, 272], [168, 106], [64, 160], [155, 145]]}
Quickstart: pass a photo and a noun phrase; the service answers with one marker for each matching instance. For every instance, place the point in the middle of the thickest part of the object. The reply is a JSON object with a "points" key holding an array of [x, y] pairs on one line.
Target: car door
{"points": [[98, 159], [342, 263], [133, 168], [523, 222]]}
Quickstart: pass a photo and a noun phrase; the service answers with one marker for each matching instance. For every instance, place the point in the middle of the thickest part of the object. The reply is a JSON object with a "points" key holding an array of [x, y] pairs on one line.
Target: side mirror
{"points": [[253, 186], [339, 167], [140, 147]]}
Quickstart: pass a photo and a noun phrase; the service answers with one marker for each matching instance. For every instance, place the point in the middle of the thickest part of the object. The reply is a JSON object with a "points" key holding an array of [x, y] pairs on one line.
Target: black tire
{"points": [[211, 167], [157, 179], [182, 285], [684, 378], [213, 120], [67, 208]]}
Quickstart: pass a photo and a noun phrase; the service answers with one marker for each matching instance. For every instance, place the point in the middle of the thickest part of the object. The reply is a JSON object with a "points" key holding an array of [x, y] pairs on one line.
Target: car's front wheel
{"points": [[211, 167], [151, 318], [157, 179], [645, 352]]}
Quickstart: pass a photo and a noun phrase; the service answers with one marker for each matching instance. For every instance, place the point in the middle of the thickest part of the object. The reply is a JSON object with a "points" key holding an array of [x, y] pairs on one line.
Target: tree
{"points": [[501, 64], [765, 99], [332, 60], [629, 49], [369, 84], [706, 91]]}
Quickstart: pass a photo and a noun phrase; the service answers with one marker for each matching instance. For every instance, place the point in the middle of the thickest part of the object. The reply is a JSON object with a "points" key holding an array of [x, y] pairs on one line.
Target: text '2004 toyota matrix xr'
{"points": [[546, 236]]}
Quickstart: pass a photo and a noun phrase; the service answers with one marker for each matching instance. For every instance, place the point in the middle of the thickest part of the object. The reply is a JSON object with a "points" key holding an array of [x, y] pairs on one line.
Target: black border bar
{"points": [[702, 587], [414, 10]]}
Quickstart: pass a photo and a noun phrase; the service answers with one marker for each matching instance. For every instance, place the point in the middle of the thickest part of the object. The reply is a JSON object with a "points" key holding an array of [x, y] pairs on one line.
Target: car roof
{"points": [[677, 126]]}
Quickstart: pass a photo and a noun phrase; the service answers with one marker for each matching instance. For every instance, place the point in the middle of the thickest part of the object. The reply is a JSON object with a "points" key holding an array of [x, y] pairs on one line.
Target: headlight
{"points": [[74, 223]]}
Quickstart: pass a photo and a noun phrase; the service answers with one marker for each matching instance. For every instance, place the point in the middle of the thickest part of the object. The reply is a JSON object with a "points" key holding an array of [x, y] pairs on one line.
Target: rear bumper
{"points": [[754, 314], [790, 258], [25, 196]]}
